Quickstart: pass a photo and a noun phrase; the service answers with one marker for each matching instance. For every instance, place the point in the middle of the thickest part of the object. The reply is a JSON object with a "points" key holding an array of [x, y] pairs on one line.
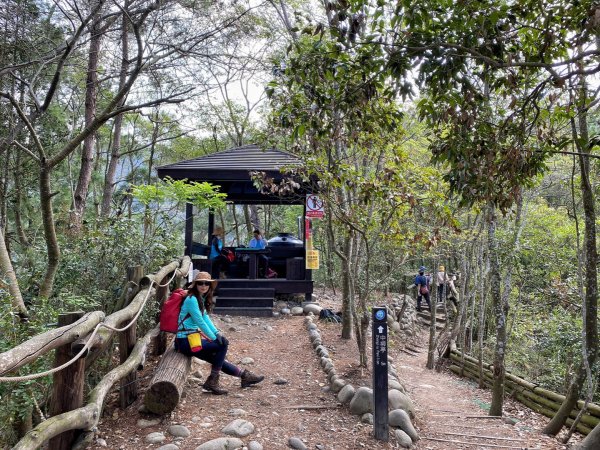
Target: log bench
{"points": [[167, 383]]}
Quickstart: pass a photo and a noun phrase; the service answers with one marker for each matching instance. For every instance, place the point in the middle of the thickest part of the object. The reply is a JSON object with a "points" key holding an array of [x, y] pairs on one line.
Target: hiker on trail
{"points": [[259, 242], [220, 263], [453, 292], [422, 282], [194, 317], [442, 280]]}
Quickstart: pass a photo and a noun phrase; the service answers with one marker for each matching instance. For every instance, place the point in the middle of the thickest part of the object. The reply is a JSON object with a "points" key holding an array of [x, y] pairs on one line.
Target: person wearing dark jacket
{"points": [[212, 347]]}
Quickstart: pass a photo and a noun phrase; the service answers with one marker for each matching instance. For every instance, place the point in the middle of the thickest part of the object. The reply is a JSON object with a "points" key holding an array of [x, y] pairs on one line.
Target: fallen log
{"points": [[167, 384]]}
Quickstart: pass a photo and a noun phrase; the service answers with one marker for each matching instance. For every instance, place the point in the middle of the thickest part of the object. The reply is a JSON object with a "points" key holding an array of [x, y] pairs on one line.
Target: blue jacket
{"points": [[216, 246], [197, 320]]}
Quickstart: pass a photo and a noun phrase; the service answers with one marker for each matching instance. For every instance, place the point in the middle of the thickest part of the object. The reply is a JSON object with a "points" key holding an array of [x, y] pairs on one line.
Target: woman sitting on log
{"points": [[212, 345]]}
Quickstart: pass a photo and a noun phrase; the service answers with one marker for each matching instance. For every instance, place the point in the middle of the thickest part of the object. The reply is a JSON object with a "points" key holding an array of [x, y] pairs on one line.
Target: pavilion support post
{"points": [[127, 340], [67, 385], [211, 225], [189, 228]]}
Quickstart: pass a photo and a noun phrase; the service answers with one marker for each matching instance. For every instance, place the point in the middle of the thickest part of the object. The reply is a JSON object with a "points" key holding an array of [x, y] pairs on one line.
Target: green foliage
{"points": [[202, 195], [17, 398]]}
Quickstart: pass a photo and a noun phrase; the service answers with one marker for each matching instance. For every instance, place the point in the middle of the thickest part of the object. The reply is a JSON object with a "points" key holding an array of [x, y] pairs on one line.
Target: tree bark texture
{"points": [[499, 315], [115, 154], [67, 385], [13, 284], [87, 152], [167, 384], [590, 310], [52, 246]]}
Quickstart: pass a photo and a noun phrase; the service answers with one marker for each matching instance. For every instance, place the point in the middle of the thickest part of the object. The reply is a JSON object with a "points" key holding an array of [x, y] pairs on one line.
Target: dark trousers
{"points": [[420, 297], [211, 352], [441, 290], [219, 264]]}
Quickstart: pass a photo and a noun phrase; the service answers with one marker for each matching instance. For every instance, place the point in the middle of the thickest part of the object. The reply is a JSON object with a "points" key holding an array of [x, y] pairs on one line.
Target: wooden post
{"points": [[127, 339], [380, 373], [67, 385], [160, 342], [189, 228]]}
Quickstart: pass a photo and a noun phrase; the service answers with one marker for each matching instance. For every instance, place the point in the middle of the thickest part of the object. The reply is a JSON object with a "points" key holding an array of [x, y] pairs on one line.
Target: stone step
{"points": [[251, 302], [245, 311], [246, 292]]}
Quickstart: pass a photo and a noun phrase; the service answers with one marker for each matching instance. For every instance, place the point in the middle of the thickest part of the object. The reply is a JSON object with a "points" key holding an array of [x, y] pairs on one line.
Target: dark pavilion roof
{"points": [[230, 169]]}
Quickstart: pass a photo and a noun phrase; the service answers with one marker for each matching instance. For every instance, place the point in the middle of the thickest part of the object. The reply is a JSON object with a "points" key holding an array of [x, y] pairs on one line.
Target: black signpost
{"points": [[380, 374]]}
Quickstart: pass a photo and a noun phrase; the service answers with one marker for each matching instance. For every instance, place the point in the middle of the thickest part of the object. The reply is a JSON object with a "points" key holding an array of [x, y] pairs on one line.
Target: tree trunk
{"points": [[13, 285], [592, 440], [590, 307], [499, 315], [115, 154], [347, 299], [52, 247], [87, 153]]}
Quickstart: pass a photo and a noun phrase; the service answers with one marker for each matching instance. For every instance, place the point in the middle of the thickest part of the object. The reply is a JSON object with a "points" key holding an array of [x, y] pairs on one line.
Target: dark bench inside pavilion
{"points": [[240, 293]]}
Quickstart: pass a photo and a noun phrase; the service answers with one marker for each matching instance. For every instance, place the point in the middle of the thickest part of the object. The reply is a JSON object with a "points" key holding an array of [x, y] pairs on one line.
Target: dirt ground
{"points": [[450, 411]]}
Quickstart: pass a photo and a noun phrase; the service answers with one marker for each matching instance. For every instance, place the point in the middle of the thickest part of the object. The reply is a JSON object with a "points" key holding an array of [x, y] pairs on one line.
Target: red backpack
{"points": [[169, 314]]}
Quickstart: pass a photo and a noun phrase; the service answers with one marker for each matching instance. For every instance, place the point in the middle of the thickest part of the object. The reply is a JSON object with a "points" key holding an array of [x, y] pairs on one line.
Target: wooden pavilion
{"points": [[245, 293]]}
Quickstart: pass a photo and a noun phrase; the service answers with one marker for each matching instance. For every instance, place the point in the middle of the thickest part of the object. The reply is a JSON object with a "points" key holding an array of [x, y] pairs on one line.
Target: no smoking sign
{"points": [[314, 207]]}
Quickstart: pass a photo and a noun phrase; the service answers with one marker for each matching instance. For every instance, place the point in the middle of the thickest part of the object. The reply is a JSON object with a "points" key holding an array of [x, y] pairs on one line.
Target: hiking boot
{"points": [[212, 384], [248, 378]]}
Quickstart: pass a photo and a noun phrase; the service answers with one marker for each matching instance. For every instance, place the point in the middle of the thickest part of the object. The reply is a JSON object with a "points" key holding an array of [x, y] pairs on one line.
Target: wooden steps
{"points": [[245, 301]]}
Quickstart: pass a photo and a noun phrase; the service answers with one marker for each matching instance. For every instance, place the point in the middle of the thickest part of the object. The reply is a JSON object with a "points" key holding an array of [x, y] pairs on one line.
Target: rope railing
{"points": [[91, 338], [90, 325]]}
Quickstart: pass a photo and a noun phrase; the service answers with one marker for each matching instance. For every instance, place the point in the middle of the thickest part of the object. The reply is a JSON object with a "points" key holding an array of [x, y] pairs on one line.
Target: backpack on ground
{"points": [[169, 313], [328, 315]]}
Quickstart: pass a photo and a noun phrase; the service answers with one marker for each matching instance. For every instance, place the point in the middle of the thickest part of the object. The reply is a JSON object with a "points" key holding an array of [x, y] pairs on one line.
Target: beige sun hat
{"points": [[203, 276]]}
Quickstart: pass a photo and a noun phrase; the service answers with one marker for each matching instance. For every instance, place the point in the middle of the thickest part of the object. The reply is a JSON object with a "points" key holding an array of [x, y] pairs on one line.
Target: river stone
{"points": [[280, 381], [168, 447], [367, 418], [253, 445], [362, 402], [313, 335], [285, 311], [312, 308], [178, 431], [346, 394], [239, 428], [396, 327], [297, 443], [101, 443], [224, 443], [398, 400], [403, 439], [247, 361], [311, 326], [337, 385], [237, 412], [143, 423], [297, 311], [155, 438], [328, 366], [399, 418], [393, 384]]}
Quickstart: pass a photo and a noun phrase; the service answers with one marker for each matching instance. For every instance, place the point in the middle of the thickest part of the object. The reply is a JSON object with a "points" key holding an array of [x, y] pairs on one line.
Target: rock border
{"points": [[360, 401]]}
